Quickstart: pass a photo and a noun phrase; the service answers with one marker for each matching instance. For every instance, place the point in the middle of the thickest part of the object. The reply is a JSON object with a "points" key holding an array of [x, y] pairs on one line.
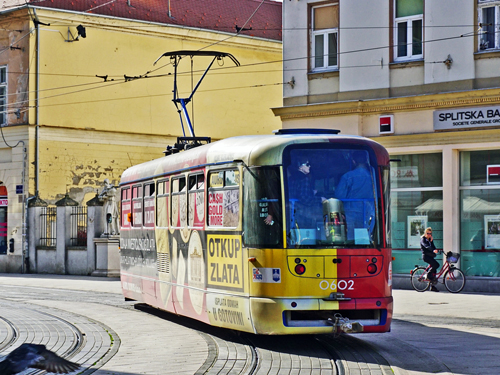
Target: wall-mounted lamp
{"points": [[448, 62], [81, 33]]}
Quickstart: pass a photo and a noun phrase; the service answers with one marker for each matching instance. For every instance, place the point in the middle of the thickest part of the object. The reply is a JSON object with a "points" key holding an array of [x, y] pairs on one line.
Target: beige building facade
{"points": [[81, 100], [421, 78]]}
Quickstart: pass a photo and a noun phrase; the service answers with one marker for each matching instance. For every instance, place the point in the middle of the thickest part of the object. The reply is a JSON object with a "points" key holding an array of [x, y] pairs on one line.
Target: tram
{"points": [[270, 234]]}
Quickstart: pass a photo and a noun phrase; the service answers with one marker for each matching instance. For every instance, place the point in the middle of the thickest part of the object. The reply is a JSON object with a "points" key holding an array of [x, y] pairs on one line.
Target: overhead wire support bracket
{"points": [[175, 58]]}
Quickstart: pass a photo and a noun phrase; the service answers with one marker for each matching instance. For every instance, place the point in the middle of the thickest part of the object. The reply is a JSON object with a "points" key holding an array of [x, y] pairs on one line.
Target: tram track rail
{"points": [[72, 336], [9, 335]]}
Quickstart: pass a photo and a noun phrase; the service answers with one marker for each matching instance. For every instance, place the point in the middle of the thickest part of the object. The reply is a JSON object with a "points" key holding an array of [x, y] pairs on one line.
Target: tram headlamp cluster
{"points": [[372, 268], [300, 269]]}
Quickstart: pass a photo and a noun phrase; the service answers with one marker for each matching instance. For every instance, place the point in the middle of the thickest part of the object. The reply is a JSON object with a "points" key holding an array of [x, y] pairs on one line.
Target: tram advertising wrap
{"points": [[278, 234]]}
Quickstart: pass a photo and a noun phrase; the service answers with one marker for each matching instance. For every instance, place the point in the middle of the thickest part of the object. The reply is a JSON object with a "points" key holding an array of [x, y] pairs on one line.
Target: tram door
{"points": [[3, 230]]}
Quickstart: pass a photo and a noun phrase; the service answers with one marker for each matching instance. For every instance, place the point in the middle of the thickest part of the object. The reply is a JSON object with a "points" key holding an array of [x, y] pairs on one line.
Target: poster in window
{"points": [[416, 228], [492, 231]]}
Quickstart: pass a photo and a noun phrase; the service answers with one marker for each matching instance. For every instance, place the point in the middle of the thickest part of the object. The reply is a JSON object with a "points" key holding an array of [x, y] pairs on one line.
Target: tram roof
{"points": [[251, 149]]}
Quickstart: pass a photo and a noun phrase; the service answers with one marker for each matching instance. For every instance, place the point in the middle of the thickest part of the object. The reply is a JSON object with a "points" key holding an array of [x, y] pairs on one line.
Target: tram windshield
{"points": [[263, 222], [331, 197]]}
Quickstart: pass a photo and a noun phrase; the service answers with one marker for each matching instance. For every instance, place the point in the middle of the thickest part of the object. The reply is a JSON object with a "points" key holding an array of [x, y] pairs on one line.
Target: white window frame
{"points": [[481, 6], [3, 86], [409, 36], [325, 33]]}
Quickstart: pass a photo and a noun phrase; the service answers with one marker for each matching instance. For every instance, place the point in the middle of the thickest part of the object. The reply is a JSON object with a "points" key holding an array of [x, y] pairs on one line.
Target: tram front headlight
{"points": [[300, 269]]}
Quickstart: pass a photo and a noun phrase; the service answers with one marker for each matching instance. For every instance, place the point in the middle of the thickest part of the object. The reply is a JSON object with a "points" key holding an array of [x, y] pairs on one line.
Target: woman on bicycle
{"points": [[429, 252]]}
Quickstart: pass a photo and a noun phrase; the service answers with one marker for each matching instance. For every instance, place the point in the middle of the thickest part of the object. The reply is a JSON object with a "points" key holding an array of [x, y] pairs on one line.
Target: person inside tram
{"points": [[307, 205], [356, 190], [429, 252]]}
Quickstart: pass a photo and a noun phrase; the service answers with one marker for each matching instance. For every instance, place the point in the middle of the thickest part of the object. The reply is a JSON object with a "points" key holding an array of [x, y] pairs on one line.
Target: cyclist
{"points": [[429, 252]]}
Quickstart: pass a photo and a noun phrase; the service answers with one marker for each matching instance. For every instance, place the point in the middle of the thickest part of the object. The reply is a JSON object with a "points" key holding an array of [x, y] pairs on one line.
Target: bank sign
{"points": [[466, 118]]}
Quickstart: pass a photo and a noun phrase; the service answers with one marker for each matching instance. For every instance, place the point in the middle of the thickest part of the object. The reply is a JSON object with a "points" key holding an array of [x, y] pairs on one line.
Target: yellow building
{"points": [[82, 100]]}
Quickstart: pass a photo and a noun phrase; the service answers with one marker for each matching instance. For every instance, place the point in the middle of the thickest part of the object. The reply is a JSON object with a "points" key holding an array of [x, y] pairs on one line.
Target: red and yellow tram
{"points": [[279, 234]]}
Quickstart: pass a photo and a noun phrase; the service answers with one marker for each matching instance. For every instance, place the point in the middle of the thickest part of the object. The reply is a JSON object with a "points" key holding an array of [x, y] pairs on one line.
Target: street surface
{"points": [[86, 320]]}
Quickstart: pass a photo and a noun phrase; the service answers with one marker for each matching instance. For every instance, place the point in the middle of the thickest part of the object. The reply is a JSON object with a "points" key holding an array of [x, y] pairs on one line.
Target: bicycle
{"points": [[453, 277]]}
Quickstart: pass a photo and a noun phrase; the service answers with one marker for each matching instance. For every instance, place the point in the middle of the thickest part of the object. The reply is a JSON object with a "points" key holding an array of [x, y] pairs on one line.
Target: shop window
{"points": [[480, 213], [416, 203], [489, 14], [408, 29], [324, 37], [224, 198], [417, 170]]}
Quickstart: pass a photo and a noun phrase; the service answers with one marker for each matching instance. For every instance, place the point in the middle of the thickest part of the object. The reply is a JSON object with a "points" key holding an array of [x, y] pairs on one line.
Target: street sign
{"points": [[19, 189]]}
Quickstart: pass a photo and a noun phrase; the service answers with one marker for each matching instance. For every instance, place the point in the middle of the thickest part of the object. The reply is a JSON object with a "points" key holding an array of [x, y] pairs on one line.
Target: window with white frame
{"points": [[489, 18], [3, 95], [324, 35], [408, 29]]}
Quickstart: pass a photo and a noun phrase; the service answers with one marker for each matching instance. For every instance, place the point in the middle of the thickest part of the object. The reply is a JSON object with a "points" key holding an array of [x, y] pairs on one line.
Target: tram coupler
{"points": [[336, 296], [342, 324]]}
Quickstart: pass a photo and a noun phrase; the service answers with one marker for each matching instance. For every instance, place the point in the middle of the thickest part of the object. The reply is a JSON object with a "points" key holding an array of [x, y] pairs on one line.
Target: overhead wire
{"points": [[147, 74], [121, 81]]}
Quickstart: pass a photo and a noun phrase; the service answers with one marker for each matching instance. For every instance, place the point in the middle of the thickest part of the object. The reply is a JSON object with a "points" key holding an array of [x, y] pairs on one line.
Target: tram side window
{"points": [[196, 200], [162, 204], [149, 204], [137, 206], [224, 198], [262, 207], [126, 208], [179, 202]]}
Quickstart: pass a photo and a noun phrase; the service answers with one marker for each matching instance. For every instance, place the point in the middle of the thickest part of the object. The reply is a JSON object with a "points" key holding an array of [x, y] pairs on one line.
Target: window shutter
{"points": [[326, 17]]}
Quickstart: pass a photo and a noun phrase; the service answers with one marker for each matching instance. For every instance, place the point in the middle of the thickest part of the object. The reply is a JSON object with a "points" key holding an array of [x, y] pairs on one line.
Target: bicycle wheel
{"points": [[418, 281], [454, 280]]}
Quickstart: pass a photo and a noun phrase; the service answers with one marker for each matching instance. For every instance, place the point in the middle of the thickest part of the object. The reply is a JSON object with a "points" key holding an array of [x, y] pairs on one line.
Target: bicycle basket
{"points": [[452, 257]]}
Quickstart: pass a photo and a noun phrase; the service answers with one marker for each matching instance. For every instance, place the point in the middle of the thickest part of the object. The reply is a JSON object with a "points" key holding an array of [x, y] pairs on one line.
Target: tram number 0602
{"points": [[337, 284]]}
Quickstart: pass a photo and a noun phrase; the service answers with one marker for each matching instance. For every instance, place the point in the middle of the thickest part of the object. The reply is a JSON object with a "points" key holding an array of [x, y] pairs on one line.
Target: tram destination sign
{"points": [[466, 118]]}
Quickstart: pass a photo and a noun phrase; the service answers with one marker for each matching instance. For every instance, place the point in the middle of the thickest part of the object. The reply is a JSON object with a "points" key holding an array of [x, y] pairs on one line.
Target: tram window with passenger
{"points": [[262, 225], [332, 197]]}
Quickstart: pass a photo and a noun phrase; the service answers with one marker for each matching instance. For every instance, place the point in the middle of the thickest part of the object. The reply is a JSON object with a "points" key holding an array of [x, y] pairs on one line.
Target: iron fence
{"points": [[78, 226], [48, 227]]}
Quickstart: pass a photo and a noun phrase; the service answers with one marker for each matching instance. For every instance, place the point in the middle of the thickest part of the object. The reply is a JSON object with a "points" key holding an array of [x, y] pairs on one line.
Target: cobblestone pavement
{"points": [[87, 321]]}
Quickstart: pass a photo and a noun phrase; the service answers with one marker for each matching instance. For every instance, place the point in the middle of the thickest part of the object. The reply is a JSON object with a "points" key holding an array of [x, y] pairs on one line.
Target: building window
{"points": [[416, 203], [489, 15], [408, 29], [3, 95], [324, 35], [480, 213]]}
